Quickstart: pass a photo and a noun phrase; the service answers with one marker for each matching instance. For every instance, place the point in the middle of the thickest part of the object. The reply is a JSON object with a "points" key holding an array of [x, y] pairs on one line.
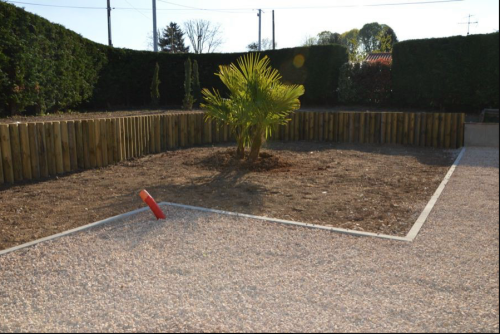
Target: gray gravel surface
{"points": [[208, 272]]}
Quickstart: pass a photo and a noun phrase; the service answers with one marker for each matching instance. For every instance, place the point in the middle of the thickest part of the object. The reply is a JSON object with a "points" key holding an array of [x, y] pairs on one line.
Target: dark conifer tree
{"points": [[172, 39]]}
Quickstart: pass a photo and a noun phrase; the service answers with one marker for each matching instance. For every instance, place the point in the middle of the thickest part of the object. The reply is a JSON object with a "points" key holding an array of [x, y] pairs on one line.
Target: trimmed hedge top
{"points": [[455, 74]]}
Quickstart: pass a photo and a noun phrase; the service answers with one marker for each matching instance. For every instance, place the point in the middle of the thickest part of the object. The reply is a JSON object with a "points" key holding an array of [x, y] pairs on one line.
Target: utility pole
{"points": [[110, 41], [274, 34], [155, 29], [469, 23], [260, 29]]}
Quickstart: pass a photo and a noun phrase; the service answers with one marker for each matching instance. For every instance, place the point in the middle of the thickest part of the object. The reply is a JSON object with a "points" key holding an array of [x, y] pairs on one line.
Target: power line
{"points": [[239, 10]]}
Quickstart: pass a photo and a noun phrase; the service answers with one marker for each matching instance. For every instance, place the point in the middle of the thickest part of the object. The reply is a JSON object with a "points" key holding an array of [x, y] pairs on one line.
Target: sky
{"points": [[295, 19]]}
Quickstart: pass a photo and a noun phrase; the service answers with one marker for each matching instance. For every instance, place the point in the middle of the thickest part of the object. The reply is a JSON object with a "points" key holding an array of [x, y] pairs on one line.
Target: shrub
{"points": [[367, 83], [455, 73]]}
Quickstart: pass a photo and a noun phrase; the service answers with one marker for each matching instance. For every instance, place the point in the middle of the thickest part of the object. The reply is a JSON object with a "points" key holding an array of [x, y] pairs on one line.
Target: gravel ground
{"points": [[197, 272]]}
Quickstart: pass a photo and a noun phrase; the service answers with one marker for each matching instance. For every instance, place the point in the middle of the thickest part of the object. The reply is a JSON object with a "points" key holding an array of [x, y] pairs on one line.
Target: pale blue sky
{"points": [[131, 28]]}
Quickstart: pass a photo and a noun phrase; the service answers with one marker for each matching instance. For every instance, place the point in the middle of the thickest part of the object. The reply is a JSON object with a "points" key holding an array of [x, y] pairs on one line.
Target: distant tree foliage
{"points": [[171, 39], [266, 44], [373, 37]]}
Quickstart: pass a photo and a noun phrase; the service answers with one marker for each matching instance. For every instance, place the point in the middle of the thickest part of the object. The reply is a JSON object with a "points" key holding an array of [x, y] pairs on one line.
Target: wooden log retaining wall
{"points": [[37, 150]]}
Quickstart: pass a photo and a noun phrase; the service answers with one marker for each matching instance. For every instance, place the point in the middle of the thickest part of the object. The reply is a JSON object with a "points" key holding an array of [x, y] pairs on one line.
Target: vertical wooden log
{"points": [[58, 147], [199, 129], [115, 122], [454, 133], [104, 142], [175, 126], [126, 138], [331, 126], [42, 150], [435, 130], [73, 154], [347, 125], [441, 135], [406, 125], [341, 128], [65, 147], [423, 130], [98, 143], [35, 162], [110, 136], [296, 126], [15, 144], [2, 177], [170, 134], [183, 131], [417, 129], [92, 144], [49, 140], [378, 128], [373, 125], [8, 168], [83, 144], [383, 127], [411, 130], [352, 127], [430, 129], [25, 152], [447, 139], [395, 130], [157, 133], [388, 128], [461, 130], [311, 132], [362, 128]]}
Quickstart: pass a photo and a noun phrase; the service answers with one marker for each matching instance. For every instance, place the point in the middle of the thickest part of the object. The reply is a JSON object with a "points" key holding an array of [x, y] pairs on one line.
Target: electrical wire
{"points": [[240, 10]]}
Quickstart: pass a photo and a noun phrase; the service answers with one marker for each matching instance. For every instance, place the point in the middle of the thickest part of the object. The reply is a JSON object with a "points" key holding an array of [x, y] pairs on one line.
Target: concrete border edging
{"points": [[75, 230], [410, 237]]}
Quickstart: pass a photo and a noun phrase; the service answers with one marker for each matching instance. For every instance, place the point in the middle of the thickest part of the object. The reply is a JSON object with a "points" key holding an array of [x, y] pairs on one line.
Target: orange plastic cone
{"points": [[148, 199]]}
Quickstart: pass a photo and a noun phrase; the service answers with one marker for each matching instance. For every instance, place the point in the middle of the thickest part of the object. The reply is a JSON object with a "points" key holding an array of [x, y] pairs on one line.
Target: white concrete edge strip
{"points": [[78, 229], [288, 222], [412, 235]]}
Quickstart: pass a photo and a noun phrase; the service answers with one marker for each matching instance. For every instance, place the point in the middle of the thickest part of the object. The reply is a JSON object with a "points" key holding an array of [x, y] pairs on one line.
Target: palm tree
{"points": [[258, 101]]}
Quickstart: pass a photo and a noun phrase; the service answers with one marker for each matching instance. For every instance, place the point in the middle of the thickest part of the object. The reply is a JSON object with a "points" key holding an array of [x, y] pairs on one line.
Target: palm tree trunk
{"points": [[240, 151], [257, 141]]}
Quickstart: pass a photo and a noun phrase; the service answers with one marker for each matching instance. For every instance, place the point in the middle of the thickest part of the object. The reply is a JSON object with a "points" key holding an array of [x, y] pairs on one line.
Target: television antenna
{"points": [[469, 23]]}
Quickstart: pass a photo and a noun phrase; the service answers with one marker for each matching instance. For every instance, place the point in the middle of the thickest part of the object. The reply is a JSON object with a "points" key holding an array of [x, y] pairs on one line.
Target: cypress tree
{"points": [[196, 83], [155, 84], [188, 97]]}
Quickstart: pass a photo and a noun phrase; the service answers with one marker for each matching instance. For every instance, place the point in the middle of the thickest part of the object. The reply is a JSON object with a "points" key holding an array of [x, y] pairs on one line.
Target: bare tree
{"points": [[204, 36]]}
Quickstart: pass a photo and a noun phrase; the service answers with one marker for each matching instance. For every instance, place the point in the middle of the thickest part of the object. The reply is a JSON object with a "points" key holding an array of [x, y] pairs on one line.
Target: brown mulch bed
{"points": [[379, 189]]}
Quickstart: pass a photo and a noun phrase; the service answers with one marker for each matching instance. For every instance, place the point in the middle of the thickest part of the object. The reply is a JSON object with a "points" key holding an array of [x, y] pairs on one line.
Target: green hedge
{"points": [[44, 66], [455, 74], [126, 80]]}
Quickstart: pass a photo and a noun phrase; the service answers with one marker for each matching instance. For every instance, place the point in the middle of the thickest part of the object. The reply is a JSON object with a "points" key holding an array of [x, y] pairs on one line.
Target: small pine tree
{"points": [[155, 91], [196, 83], [188, 98]]}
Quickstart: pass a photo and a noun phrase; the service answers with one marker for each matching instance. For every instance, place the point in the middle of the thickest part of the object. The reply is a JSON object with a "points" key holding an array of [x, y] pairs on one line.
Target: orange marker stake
{"points": [[146, 197]]}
